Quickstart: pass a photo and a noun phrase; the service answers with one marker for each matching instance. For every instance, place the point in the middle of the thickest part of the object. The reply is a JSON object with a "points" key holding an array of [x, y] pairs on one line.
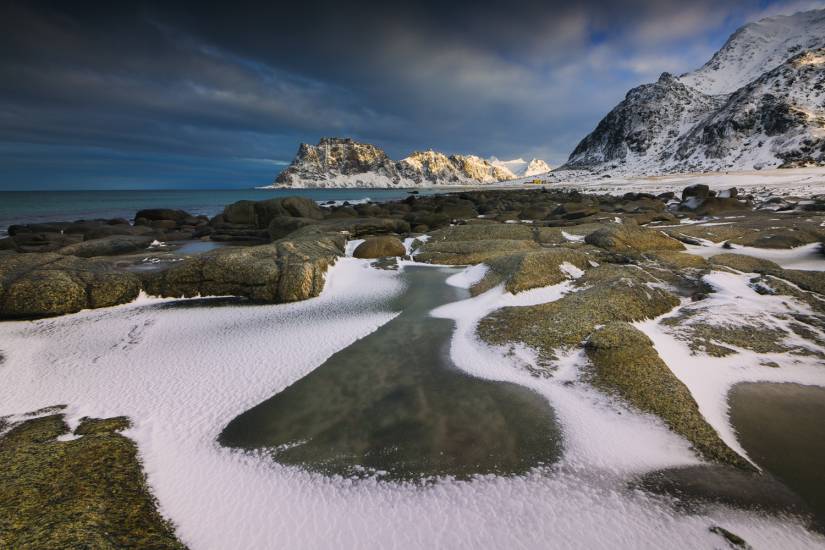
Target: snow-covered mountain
{"points": [[521, 168], [343, 162], [759, 102]]}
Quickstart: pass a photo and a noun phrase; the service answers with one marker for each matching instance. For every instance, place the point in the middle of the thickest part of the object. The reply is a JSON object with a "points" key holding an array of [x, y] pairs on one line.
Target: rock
{"points": [[260, 213], [470, 252], [625, 361], [380, 247], [606, 293], [80, 492], [625, 238], [44, 285], [281, 226], [713, 206], [107, 246], [699, 191], [531, 269], [285, 271], [161, 214]]}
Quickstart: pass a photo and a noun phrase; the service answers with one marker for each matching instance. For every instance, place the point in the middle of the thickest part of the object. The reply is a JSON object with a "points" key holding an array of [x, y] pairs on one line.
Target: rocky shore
{"points": [[627, 259]]}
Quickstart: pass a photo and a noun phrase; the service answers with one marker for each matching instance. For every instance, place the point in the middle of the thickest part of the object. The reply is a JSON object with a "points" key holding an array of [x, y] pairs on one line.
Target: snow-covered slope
{"points": [[343, 162], [757, 103], [756, 48], [520, 168]]}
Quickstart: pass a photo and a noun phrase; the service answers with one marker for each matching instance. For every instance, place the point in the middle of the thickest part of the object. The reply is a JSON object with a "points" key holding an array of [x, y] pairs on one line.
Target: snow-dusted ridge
{"points": [[758, 103], [343, 162]]}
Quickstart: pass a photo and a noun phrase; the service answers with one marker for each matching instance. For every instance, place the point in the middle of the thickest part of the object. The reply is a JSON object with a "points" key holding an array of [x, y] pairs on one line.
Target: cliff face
{"points": [[758, 103], [343, 162]]}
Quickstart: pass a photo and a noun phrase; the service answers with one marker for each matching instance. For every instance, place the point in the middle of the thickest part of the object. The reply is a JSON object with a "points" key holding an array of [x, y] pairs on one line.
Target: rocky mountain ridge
{"points": [[344, 162], [758, 103]]}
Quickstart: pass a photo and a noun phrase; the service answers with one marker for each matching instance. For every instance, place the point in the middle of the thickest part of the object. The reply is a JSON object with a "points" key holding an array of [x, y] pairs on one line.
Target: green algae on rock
{"points": [[606, 293], [88, 492], [625, 361], [528, 270], [628, 238], [47, 284], [470, 252]]}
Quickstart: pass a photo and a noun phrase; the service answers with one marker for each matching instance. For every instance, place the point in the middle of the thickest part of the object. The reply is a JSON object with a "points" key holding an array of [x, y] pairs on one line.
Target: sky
{"points": [[147, 95]]}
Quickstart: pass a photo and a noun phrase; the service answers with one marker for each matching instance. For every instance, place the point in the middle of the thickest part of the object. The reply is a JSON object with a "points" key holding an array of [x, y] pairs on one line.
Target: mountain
{"points": [[759, 102], [344, 162], [520, 168]]}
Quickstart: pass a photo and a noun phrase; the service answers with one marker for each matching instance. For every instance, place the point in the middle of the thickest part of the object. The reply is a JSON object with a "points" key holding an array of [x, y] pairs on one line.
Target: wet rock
{"points": [[625, 362], [107, 246], [162, 214], [380, 247]]}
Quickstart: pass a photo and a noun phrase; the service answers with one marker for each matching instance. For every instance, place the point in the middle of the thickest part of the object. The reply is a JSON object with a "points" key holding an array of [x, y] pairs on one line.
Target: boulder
{"points": [[160, 214], [627, 238], [261, 213], [625, 362], [285, 271], [44, 285], [107, 246], [281, 226], [380, 247], [699, 191]]}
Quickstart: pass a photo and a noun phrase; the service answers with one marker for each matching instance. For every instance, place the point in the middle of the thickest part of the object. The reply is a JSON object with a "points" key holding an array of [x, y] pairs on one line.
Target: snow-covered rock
{"points": [[758, 103], [343, 162]]}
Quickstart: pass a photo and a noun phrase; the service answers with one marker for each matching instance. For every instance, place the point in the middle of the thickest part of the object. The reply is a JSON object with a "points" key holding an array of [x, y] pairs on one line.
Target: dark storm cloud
{"points": [[142, 87]]}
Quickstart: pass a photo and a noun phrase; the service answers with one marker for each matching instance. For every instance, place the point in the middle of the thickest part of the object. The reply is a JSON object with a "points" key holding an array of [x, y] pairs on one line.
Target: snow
{"points": [[521, 168], [181, 373], [808, 257], [798, 182], [756, 48], [709, 379]]}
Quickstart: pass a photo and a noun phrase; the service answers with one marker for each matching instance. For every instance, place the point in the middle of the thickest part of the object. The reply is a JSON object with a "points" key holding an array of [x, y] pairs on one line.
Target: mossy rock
{"points": [[288, 270], [607, 293], [46, 284], [746, 264], [625, 362], [471, 252], [380, 247], [625, 238], [484, 232], [528, 270], [676, 260], [88, 492]]}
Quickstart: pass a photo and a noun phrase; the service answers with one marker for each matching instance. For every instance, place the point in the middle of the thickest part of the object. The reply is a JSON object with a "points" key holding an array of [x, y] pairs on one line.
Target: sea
{"points": [[19, 207]]}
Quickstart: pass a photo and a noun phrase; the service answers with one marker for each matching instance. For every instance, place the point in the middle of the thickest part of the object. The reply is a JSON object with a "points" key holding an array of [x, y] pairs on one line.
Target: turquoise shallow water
{"points": [[44, 206]]}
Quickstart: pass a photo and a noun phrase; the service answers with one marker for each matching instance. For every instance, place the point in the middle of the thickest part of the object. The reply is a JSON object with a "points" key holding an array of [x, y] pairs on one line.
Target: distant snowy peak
{"points": [[344, 162], [520, 168], [758, 103], [756, 48]]}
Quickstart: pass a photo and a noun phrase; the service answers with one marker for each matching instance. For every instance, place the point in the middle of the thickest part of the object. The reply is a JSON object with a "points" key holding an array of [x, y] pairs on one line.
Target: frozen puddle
{"points": [[183, 373], [394, 404]]}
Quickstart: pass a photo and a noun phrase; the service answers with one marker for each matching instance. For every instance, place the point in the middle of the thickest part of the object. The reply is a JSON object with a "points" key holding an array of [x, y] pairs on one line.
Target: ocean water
{"points": [[48, 206]]}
